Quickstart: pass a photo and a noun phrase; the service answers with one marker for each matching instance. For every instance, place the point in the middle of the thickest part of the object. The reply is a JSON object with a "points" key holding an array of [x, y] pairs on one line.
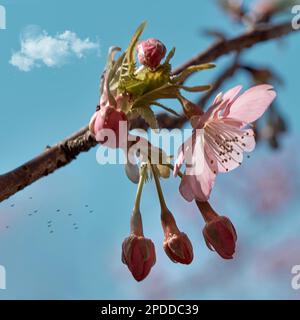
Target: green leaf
{"points": [[170, 56], [196, 88], [148, 115], [130, 52], [127, 79], [190, 70], [111, 55], [167, 91], [113, 75], [134, 86], [154, 79]]}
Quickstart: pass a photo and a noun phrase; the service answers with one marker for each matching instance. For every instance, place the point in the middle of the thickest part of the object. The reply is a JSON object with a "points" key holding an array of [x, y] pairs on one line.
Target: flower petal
{"points": [[199, 186], [249, 106], [185, 188], [231, 94]]}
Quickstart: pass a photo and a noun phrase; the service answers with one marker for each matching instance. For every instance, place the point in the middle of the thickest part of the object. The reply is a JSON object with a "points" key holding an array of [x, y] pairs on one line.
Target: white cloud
{"points": [[38, 48]]}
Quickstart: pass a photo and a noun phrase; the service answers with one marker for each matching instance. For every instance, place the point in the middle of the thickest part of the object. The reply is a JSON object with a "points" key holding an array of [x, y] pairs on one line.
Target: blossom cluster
{"points": [[220, 136]]}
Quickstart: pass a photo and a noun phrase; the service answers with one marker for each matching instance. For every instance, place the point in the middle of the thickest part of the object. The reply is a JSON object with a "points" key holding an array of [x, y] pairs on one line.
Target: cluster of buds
{"points": [[127, 92], [138, 252]]}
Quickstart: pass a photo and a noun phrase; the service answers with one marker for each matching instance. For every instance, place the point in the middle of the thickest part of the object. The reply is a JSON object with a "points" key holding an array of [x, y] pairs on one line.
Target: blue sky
{"points": [[45, 104]]}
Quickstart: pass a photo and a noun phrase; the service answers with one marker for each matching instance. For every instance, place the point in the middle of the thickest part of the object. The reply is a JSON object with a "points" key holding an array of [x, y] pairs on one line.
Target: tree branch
{"points": [[246, 40], [67, 150], [221, 78]]}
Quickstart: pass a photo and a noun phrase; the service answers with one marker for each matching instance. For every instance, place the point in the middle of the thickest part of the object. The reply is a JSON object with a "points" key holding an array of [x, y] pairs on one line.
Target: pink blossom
{"points": [[220, 137], [108, 117]]}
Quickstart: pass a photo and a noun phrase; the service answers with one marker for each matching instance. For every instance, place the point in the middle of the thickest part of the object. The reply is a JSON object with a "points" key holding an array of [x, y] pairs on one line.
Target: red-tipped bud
{"points": [[138, 253], [151, 52], [219, 234], [179, 248], [177, 245]]}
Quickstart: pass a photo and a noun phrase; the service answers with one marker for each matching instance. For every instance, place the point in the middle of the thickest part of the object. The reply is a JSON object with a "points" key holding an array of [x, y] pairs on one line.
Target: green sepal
{"points": [[167, 91], [148, 115], [196, 88], [130, 52], [190, 70]]}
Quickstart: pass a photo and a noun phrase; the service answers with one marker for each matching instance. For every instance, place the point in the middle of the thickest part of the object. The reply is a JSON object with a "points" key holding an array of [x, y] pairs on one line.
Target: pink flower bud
{"points": [[179, 248], [108, 117], [219, 234], [176, 244], [138, 253], [151, 52]]}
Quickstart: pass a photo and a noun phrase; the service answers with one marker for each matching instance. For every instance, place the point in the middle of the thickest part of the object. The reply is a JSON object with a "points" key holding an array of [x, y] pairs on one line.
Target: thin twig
{"points": [[220, 79], [246, 40]]}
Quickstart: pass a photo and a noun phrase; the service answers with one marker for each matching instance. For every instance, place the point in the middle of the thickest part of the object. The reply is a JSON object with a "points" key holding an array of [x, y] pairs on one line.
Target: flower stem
{"points": [[136, 224], [140, 189], [179, 173], [206, 210], [158, 188], [167, 219]]}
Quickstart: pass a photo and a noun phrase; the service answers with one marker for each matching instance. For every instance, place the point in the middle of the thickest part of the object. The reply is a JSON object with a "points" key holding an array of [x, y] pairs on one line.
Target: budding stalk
{"points": [[136, 225], [138, 252], [176, 243], [219, 232]]}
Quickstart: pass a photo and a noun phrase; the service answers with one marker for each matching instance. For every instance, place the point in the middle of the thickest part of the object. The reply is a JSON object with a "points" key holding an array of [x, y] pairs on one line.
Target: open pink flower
{"points": [[220, 137]]}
